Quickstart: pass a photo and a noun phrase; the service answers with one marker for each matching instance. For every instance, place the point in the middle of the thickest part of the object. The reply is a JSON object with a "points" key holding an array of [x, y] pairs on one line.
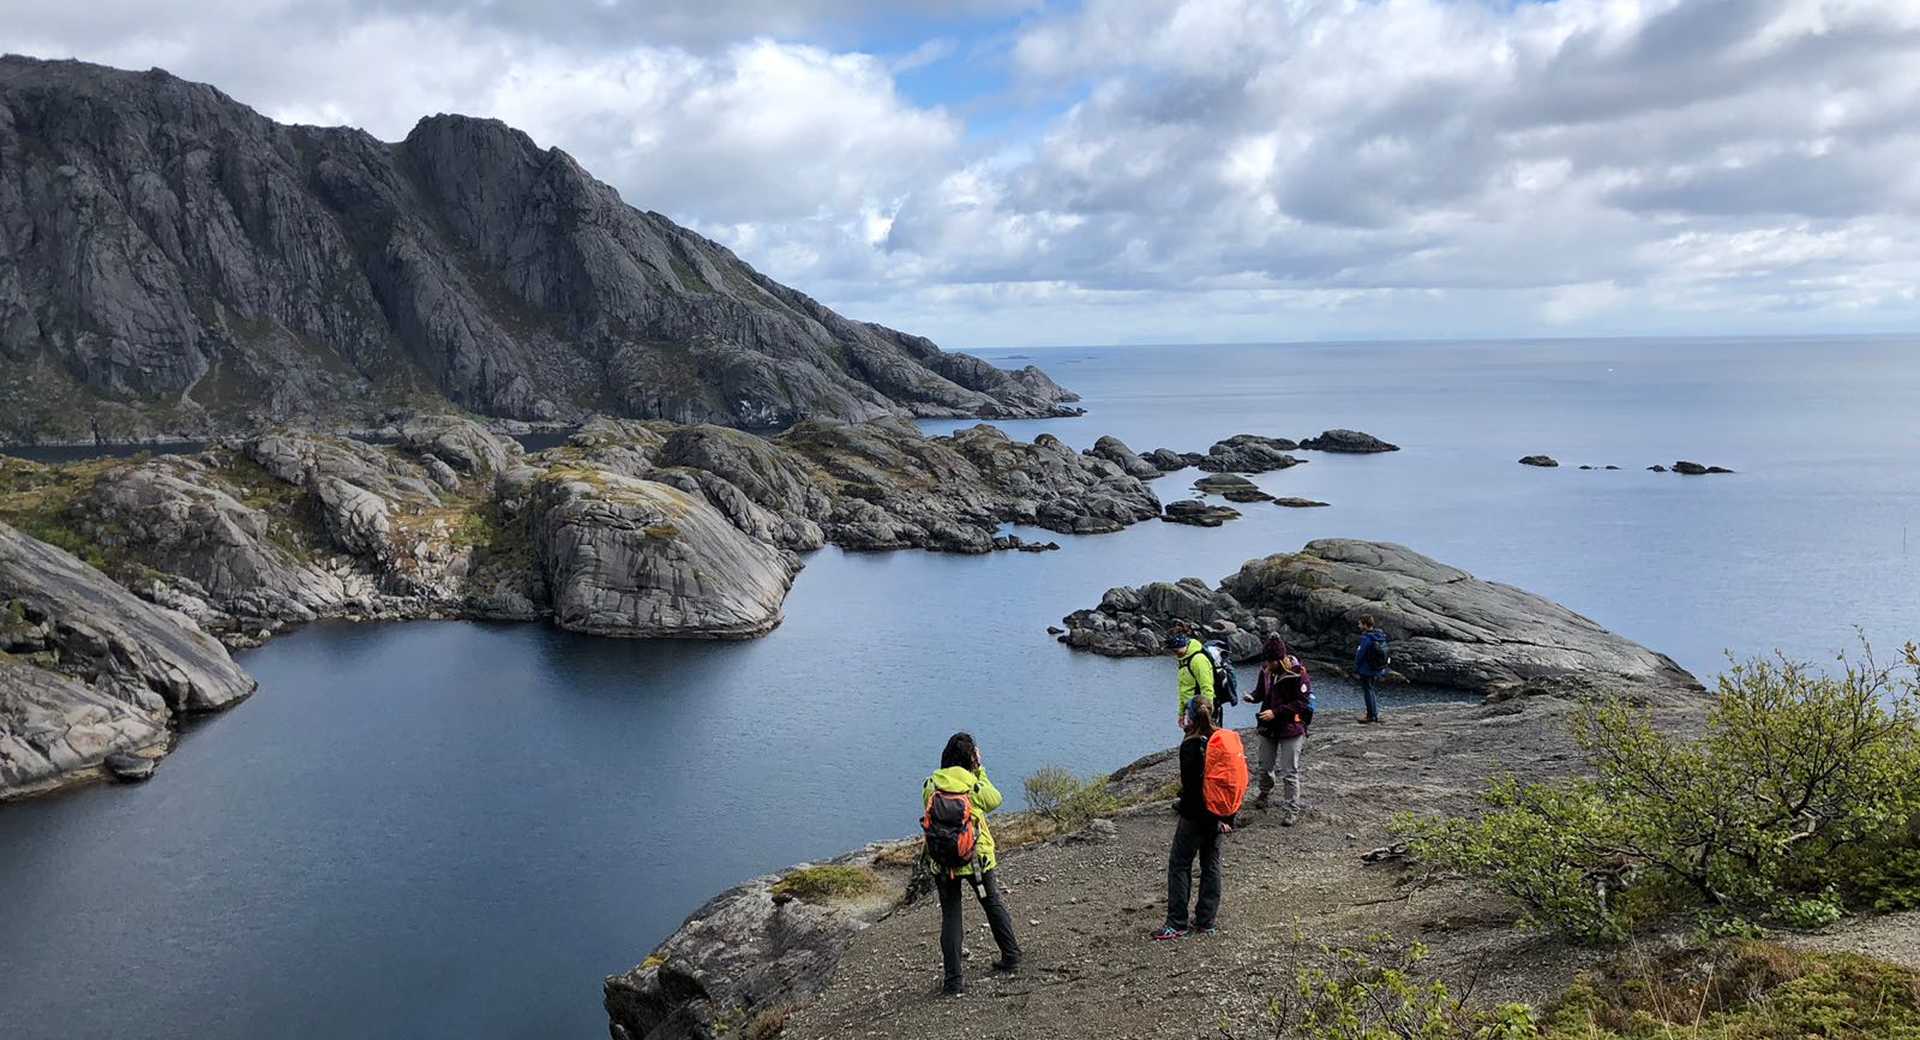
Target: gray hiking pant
{"points": [[1283, 757]]}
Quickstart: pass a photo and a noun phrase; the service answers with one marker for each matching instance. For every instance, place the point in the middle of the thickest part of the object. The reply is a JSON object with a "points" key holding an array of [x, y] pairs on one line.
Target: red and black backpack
{"points": [[953, 834]]}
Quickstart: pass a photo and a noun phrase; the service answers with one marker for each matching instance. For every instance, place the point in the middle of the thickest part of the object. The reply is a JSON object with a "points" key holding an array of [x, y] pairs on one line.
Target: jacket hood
{"points": [[955, 780], [1193, 647]]}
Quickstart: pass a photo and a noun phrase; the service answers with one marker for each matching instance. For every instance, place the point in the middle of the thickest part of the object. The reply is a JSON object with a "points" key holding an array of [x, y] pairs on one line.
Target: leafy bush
{"points": [[1726, 990], [1067, 801], [1798, 801]]}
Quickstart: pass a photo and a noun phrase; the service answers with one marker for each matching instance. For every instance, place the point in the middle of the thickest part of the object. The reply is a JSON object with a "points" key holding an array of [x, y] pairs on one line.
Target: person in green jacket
{"points": [[961, 772], [1196, 674]]}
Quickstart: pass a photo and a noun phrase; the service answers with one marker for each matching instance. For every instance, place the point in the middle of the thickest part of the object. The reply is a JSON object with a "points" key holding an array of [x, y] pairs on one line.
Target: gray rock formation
{"points": [[1351, 442], [1695, 469], [1197, 513], [1166, 460], [1231, 487], [1298, 503], [1247, 453], [1542, 461], [242, 272], [1114, 450], [638, 558], [87, 669], [1448, 628]]}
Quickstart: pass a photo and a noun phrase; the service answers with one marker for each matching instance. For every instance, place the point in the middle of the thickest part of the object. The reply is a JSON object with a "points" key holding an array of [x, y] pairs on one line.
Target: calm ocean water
{"points": [[456, 829]]}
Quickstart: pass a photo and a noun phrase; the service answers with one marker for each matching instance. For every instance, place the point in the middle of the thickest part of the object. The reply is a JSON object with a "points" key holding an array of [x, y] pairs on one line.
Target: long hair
{"points": [[960, 751], [1202, 719]]}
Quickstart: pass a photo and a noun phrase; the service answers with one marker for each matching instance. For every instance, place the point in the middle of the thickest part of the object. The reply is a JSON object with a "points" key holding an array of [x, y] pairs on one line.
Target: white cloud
{"points": [[1227, 169]]}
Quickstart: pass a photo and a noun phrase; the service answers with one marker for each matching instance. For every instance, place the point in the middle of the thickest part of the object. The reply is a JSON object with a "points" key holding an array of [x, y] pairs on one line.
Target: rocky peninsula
{"points": [[861, 961]]}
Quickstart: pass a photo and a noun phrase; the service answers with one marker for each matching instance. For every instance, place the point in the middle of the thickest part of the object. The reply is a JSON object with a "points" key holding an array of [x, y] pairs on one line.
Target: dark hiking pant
{"points": [[1190, 838], [952, 932], [1373, 697]]}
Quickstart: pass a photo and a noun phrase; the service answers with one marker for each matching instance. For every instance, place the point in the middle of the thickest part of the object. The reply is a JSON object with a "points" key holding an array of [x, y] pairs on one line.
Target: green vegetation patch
{"points": [[827, 883], [1800, 803], [1067, 800], [38, 499]]}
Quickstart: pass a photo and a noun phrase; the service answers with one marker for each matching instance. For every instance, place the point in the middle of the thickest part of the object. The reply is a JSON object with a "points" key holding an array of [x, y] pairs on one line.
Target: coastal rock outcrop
{"points": [[245, 273], [1114, 450], [1232, 487], [1166, 460], [1248, 453], [87, 669], [1299, 503], [1197, 513], [1351, 442], [1449, 629], [638, 558], [1695, 469], [1541, 461]]}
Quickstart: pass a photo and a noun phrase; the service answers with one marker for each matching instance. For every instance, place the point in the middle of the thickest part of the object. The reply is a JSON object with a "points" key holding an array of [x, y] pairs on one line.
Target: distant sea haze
{"points": [[451, 828]]}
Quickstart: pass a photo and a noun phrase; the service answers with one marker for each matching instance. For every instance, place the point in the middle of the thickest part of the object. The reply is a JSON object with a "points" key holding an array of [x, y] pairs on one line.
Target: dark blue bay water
{"points": [[443, 829]]}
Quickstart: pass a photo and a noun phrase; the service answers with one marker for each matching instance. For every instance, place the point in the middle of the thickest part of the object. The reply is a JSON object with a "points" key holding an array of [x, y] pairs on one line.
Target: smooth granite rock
{"points": [[1351, 442], [1114, 450], [1448, 628], [640, 559], [1197, 513], [1247, 453]]}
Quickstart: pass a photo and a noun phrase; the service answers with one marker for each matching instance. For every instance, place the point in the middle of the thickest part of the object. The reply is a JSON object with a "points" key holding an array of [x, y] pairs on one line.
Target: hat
{"points": [[1176, 641]]}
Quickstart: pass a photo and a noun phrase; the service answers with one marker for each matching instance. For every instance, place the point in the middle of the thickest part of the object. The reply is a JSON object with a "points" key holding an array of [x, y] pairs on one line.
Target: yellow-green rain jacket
{"points": [[986, 798]]}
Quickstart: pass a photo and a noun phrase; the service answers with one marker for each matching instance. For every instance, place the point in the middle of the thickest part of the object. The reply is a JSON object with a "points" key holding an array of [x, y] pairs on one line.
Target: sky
{"points": [[1041, 172]]}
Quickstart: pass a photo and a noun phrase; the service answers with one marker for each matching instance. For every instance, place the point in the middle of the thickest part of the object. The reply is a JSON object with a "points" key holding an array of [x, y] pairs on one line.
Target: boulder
{"points": [[1232, 487], [1299, 503], [87, 669], [129, 768], [1656, 468], [640, 559], [1351, 442], [1114, 450], [1694, 469], [1247, 453], [460, 442], [1543, 461], [1198, 513], [1167, 460], [1448, 628]]}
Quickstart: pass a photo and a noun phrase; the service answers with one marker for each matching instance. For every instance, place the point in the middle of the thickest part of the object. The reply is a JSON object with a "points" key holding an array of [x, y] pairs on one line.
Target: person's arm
{"points": [[1360, 654], [986, 796], [1202, 676], [926, 793]]}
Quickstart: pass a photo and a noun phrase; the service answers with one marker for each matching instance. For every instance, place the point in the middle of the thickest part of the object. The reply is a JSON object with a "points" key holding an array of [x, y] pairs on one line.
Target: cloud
{"points": [[1220, 169]]}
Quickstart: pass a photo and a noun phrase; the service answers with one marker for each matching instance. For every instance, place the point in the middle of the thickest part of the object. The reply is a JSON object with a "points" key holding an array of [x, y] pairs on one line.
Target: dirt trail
{"points": [[1085, 908]]}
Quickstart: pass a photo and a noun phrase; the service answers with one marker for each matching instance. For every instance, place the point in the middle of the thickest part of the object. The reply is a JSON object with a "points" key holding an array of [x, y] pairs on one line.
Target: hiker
{"points": [[1201, 827], [1284, 694], [1196, 674], [1370, 662], [958, 798]]}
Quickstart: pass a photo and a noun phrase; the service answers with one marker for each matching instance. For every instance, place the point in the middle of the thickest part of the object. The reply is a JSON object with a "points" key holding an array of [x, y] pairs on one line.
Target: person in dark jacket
{"points": [[1366, 666], [1197, 833], [1282, 695]]}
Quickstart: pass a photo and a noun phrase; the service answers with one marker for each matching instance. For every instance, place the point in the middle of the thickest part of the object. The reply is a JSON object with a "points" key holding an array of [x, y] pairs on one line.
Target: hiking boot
{"points": [[1364, 719], [1005, 966], [1260, 803], [1169, 934], [1209, 930], [1290, 818], [954, 989]]}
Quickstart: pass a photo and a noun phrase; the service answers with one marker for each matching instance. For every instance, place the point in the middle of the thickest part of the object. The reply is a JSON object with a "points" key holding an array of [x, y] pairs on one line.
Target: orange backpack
{"points": [[1224, 786]]}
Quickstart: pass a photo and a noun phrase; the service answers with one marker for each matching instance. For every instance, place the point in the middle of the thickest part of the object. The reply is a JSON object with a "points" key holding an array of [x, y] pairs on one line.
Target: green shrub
{"points": [[1797, 802], [1067, 801]]}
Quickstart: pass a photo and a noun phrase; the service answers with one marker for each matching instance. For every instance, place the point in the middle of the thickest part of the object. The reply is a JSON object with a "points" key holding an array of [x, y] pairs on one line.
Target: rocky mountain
{"points": [[173, 263]]}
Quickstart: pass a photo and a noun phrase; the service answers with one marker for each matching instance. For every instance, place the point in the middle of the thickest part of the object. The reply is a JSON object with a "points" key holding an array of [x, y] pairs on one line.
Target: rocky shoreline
{"points": [[631, 529], [823, 968]]}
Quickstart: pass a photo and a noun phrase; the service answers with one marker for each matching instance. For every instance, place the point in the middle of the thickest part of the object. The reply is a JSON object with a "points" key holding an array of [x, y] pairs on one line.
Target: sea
{"points": [[458, 828]]}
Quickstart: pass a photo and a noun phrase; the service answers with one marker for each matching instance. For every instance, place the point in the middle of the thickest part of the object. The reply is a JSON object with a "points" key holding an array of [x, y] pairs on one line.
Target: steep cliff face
{"points": [[171, 261]]}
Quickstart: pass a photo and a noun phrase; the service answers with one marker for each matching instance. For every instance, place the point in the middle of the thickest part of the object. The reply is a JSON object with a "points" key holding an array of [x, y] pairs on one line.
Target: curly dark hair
{"points": [[961, 751]]}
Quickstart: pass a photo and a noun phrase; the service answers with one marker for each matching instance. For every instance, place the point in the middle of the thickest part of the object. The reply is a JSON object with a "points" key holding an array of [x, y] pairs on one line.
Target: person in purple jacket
{"points": [[1284, 696]]}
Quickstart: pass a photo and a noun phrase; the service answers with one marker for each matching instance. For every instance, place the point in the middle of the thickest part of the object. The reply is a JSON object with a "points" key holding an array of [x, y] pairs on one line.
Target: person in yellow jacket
{"points": [[961, 773], [1196, 674]]}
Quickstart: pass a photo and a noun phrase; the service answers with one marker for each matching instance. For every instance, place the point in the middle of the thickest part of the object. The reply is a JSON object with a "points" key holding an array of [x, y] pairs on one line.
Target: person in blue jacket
{"points": [[1370, 663]]}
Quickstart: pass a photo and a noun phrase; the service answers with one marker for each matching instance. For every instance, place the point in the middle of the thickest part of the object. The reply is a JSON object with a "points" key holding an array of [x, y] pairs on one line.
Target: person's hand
{"points": [[1266, 716], [1226, 828]]}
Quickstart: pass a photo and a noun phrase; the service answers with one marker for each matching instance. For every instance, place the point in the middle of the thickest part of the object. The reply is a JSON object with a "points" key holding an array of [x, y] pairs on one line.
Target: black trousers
{"points": [[952, 931], [1191, 838]]}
